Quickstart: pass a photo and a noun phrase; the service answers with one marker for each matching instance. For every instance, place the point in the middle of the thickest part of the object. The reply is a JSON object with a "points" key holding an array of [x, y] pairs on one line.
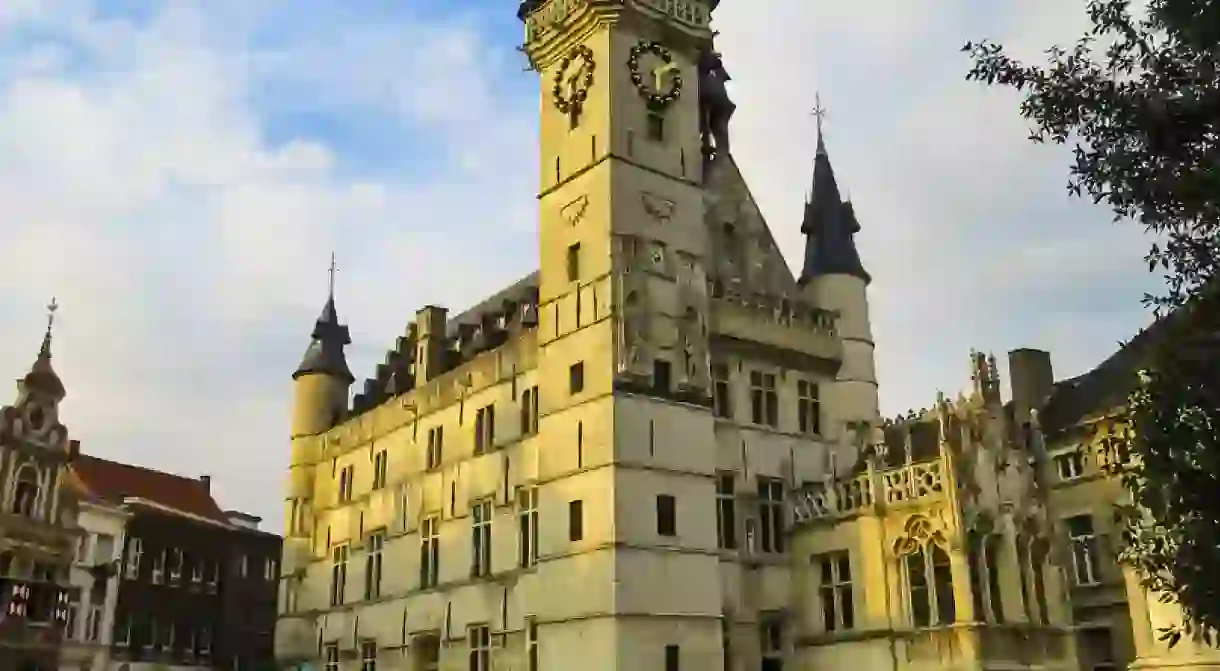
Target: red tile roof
{"points": [[114, 481]]}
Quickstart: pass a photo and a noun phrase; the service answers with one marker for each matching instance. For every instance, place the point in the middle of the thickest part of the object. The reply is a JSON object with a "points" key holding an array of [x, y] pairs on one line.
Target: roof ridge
{"points": [[142, 468]]}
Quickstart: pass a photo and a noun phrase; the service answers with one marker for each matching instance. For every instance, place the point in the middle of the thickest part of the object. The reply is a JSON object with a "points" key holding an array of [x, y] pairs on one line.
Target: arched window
{"points": [[928, 575], [25, 492]]}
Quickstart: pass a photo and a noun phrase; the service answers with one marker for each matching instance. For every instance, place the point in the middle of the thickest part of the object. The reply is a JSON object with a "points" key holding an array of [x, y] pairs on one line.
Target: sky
{"points": [[177, 173]]}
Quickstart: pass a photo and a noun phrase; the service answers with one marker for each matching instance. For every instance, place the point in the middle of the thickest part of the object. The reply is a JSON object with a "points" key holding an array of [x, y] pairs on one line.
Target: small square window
{"points": [[656, 127]]}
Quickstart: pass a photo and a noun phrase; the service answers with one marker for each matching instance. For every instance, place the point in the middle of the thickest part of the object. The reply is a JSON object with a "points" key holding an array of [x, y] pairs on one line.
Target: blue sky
{"points": [[177, 174]]}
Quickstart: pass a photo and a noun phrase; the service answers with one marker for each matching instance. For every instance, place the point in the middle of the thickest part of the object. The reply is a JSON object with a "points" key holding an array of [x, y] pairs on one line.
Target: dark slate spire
{"points": [[42, 377], [830, 222], [325, 353]]}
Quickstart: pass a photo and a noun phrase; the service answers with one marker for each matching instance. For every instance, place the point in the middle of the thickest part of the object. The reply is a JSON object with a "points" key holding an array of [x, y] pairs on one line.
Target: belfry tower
{"points": [[622, 333]]}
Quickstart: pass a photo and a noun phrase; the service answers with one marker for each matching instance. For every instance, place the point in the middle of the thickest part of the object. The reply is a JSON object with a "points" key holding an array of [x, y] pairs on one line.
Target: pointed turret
{"points": [[834, 279], [322, 379], [829, 225], [325, 352], [42, 378]]}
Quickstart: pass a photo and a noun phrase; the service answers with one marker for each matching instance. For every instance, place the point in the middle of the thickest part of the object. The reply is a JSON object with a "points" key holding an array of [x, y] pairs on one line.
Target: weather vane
{"points": [[51, 308]]}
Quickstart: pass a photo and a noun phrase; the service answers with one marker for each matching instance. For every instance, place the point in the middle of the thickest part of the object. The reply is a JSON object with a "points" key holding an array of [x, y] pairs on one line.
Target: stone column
{"points": [[1012, 589]]}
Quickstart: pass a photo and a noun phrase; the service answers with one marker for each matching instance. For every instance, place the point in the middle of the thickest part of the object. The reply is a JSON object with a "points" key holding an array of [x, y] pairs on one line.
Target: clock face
{"points": [[655, 74], [573, 79]]}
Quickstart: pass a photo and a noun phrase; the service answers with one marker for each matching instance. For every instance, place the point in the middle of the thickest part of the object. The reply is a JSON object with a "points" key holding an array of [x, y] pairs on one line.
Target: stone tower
{"points": [[37, 534], [834, 278], [320, 388], [622, 335]]}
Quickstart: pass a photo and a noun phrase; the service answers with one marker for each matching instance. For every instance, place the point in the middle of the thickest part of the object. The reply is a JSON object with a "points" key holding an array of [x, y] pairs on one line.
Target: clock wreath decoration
{"points": [[655, 99], [580, 92]]}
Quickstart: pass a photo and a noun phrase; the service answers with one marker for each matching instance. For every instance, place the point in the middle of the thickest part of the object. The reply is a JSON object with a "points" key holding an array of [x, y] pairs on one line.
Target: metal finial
{"points": [[45, 350], [333, 269], [819, 112]]}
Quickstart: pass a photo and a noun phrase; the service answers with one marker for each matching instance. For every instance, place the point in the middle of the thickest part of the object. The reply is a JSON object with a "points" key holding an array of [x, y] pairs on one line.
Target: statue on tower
{"points": [[715, 107], [527, 7]]}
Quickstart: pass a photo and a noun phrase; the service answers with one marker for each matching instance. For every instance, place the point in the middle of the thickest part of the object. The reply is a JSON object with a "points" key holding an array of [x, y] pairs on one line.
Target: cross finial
{"points": [[333, 269], [819, 112], [45, 350]]}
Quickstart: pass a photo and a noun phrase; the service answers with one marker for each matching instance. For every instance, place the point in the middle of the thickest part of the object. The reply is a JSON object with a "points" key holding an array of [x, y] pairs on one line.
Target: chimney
{"points": [[207, 483], [1032, 381], [430, 343]]}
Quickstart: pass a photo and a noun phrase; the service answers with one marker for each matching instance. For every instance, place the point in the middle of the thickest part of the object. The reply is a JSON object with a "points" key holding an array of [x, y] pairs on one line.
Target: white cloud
{"points": [[141, 185]]}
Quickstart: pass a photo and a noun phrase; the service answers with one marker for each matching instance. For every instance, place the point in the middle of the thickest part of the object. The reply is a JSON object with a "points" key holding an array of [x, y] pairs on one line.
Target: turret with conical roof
{"points": [[42, 379], [834, 278], [829, 225], [322, 379]]}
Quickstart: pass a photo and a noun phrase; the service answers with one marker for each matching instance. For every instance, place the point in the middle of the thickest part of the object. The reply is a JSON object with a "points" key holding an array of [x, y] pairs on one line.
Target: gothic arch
{"points": [[26, 490], [923, 556]]}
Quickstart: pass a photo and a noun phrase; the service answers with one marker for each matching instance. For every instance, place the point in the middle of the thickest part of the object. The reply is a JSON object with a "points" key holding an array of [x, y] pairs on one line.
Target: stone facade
{"points": [[88, 633], [663, 449]]}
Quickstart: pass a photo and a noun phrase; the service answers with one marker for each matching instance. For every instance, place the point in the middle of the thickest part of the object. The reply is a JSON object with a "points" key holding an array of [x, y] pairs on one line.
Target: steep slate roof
{"points": [[325, 351], [829, 225], [519, 291], [113, 481], [1102, 389]]}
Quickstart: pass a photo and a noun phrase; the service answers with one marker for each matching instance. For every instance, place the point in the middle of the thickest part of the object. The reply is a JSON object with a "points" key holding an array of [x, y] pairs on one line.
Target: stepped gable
{"points": [[485, 326]]}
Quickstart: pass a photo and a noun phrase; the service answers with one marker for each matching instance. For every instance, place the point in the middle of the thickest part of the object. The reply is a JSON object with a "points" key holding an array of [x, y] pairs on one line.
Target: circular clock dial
{"points": [[573, 79], [655, 74]]}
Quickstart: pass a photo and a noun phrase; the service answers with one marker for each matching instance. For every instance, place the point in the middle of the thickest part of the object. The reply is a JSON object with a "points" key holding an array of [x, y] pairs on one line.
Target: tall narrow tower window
{"points": [[576, 378], [574, 262], [726, 512], [480, 541], [667, 515], [722, 405], [808, 407], [576, 520], [338, 574]]}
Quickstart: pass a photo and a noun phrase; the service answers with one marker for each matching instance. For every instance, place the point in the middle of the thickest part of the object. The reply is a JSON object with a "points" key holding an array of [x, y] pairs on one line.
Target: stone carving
{"points": [[692, 12], [635, 354], [715, 107], [688, 270], [659, 208], [696, 365], [574, 211], [658, 257]]}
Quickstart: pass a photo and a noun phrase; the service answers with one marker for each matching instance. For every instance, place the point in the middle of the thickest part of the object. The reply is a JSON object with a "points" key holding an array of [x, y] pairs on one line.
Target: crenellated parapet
{"points": [[777, 322]]}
